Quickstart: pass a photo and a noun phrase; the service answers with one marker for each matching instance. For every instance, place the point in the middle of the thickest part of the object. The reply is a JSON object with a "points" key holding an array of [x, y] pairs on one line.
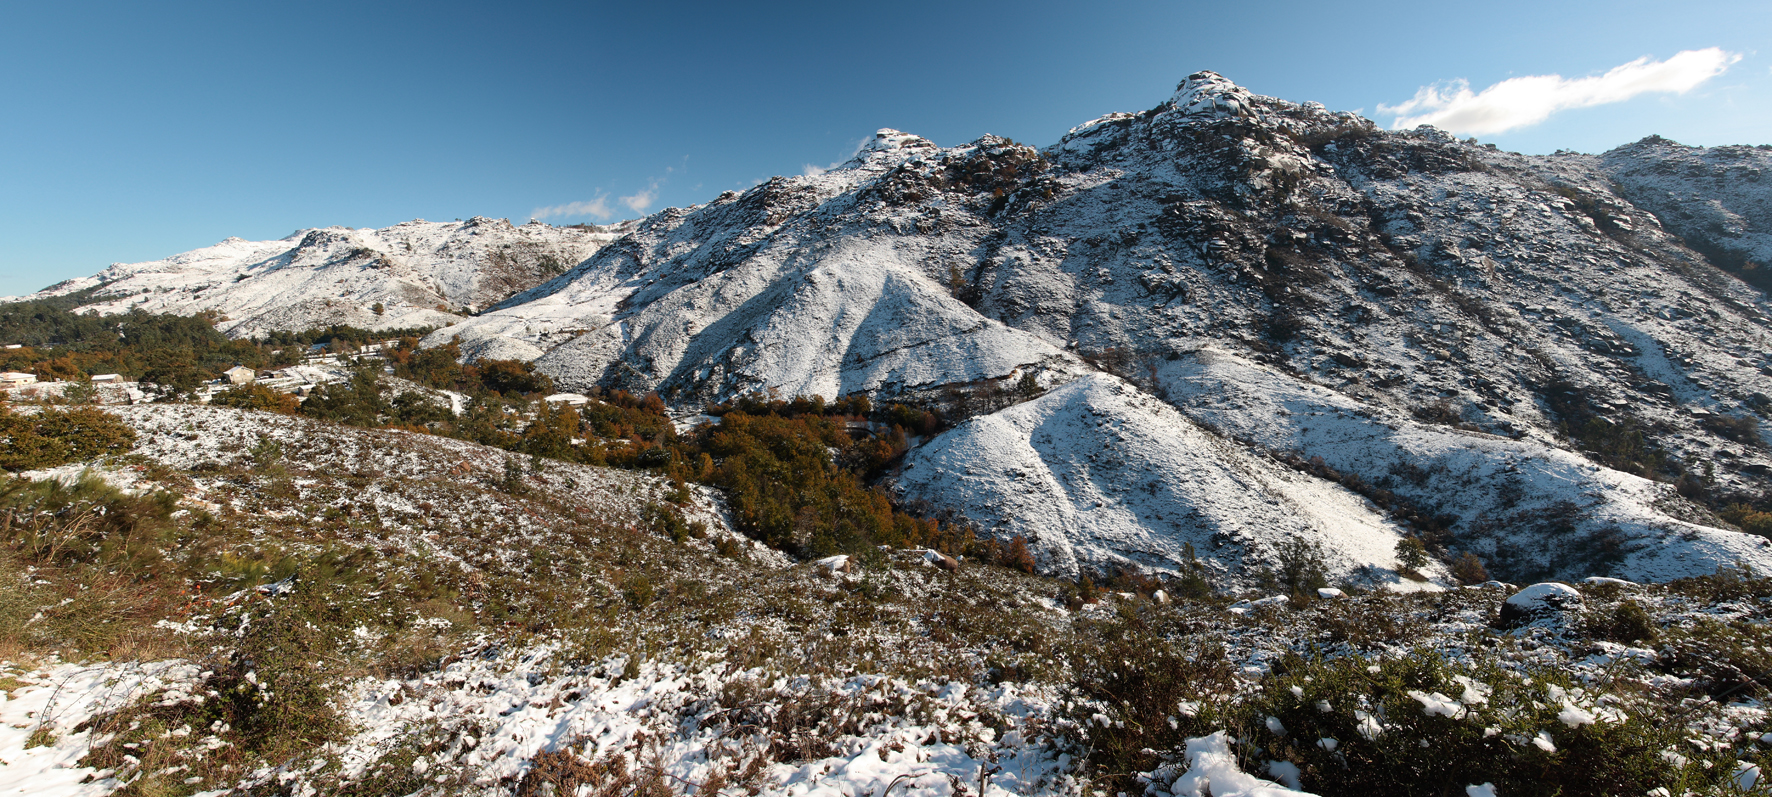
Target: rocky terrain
{"points": [[1713, 198]]}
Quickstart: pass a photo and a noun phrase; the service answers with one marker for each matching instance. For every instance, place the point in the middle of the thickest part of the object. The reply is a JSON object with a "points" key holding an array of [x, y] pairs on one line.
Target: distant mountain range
{"points": [[1231, 325], [416, 274]]}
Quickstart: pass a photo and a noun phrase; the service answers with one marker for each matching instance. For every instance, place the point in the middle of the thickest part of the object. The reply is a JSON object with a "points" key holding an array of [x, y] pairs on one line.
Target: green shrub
{"points": [[1141, 688], [1626, 622], [1749, 519], [54, 436], [1422, 725]]}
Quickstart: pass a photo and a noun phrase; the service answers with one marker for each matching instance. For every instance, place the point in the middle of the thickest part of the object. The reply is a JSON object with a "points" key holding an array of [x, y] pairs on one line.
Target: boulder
{"points": [[834, 566], [1540, 602], [941, 560]]}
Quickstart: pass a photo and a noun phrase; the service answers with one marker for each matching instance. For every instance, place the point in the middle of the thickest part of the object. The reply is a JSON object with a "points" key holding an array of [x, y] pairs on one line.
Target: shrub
{"points": [[1749, 519], [256, 397], [1627, 622], [1145, 689], [55, 436], [1421, 725], [1018, 556], [1439, 412], [1744, 429], [1468, 569]]}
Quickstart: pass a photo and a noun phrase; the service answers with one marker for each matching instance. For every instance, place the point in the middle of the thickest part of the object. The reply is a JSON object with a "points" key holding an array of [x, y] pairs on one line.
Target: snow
{"points": [[884, 276], [1436, 704], [520, 703], [56, 699], [1746, 775], [1210, 94], [1549, 593], [858, 317], [1713, 194], [1212, 772]]}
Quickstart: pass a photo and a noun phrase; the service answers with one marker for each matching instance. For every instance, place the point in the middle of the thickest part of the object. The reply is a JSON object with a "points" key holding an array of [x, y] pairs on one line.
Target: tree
{"points": [[1301, 569], [512, 377], [1411, 554]]}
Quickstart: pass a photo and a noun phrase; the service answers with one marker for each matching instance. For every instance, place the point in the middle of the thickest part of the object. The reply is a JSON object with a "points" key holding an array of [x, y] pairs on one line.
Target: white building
{"points": [[9, 378], [240, 375]]}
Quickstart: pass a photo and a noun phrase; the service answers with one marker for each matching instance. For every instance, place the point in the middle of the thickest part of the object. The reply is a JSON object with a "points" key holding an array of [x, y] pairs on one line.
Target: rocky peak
{"points": [[891, 146], [1211, 94]]}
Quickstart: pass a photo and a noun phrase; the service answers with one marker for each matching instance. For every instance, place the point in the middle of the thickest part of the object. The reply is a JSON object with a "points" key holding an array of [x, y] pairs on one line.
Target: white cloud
{"points": [[641, 201], [596, 208], [811, 170], [1521, 101]]}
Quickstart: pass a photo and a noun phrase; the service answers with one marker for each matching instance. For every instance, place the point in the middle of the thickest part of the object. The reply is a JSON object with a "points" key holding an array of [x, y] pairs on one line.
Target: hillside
{"points": [[419, 274], [1440, 295], [278, 605], [1713, 198]]}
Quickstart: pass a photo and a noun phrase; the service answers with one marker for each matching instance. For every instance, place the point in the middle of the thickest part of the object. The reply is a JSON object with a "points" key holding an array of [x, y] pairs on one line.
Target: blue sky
{"points": [[133, 131]]}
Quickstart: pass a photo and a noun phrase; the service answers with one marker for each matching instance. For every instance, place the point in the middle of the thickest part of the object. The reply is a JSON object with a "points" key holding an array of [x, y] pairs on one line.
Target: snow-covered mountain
{"points": [[1446, 323], [1255, 323], [421, 274]]}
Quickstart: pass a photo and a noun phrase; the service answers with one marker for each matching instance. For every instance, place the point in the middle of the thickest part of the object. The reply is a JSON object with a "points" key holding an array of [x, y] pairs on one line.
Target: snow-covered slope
{"points": [[421, 273], [1713, 197], [774, 289], [1097, 473], [1529, 509]]}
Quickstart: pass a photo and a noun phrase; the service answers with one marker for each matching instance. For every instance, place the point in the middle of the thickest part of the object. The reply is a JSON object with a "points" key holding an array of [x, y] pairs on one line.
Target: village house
{"points": [[240, 375], [10, 378]]}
